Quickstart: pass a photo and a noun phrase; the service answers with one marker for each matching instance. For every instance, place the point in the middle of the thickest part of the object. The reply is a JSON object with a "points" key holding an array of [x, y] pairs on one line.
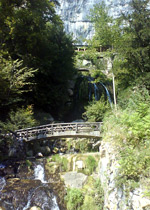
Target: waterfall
{"points": [[55, 205], [96, 92], [39, 174], [2, 183], [107, 93]]}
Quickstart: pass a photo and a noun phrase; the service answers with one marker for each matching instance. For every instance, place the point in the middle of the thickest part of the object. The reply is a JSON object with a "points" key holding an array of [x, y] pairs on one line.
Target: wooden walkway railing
{"points": [[85, 129]]}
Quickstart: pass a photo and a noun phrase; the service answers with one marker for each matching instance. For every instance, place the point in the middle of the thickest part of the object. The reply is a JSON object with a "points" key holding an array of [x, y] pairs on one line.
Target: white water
{"points": [[55, 205], [39, 174], [2, 183]]}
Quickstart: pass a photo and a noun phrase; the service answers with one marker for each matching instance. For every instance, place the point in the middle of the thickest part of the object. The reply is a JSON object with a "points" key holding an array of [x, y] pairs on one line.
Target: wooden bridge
{"points": [[85, 129]]}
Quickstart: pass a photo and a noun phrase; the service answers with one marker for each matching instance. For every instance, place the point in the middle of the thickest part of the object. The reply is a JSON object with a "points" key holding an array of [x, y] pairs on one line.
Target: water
{"points": [[2, 183], [39, 174], [22, 194], [55, 205], [96, 92], [107, 93]]}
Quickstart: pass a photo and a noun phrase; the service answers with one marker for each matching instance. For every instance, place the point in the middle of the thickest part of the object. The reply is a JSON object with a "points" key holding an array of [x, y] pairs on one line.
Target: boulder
{"points": [[45, 150], [74, 179], [35, 208]]}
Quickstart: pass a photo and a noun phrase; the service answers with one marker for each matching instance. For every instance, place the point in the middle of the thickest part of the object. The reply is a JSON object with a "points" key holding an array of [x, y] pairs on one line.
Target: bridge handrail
{"points": [[60, 124]]}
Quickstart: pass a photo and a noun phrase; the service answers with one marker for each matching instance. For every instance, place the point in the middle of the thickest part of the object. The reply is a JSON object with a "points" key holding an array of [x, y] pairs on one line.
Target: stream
{"points": [[27, 191]]}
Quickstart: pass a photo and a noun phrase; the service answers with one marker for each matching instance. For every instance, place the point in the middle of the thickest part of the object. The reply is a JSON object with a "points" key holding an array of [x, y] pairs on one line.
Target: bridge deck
{"points": [[57, 130]]}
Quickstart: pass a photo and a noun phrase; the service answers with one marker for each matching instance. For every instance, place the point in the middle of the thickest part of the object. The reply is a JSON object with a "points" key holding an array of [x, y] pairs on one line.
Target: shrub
{"points": [[62, 161], [74, 199], [96, 110], [94, 195], [91, 164], [128, 128], [21, 118]]}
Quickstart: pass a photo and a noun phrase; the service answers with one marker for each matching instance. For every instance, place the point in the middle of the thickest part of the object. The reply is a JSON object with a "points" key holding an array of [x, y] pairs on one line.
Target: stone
{"points": [[116, 198], [39, 154], [70, 92], [20, 192], [74, 179], [80, 164], [45, 150], [35, 208]]}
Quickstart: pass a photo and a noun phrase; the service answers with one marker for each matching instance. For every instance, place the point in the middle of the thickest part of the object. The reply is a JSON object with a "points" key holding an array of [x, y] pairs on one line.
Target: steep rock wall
{"points": [[75, 13], [114, 198]]}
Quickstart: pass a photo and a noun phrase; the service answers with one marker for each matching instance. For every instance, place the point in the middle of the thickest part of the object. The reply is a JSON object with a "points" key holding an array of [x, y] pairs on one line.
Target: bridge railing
{"points": [[52, 129]]}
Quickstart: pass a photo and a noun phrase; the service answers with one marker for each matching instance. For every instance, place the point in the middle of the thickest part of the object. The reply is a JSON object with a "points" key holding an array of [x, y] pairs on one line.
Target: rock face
{"points": [[74, 179], [75, 13], [118, 199]]}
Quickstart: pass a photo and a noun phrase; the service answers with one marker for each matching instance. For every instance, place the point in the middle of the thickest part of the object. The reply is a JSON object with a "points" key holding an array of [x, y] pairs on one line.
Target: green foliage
{"points": [[90, 197], [94, 195], [96, 110], [34, 37], [22, 118], [29, 163], [14, 81], [128, 129], [74, 199], [136, 38], [81, 145], [91, 165], [107, 32], [62, 161]]}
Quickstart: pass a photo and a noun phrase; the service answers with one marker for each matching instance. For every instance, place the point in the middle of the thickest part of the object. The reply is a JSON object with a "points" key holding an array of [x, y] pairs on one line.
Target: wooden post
{"points": [[76, 127], [27, 135], [52, 129]]}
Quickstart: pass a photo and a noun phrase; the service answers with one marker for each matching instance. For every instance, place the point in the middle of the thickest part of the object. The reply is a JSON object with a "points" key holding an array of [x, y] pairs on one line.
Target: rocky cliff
{"points": [[118, 198], [75, 13]]}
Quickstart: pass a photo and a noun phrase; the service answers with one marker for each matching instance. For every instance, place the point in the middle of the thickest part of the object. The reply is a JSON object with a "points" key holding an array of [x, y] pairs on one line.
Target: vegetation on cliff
{"points": [[127, 126]]}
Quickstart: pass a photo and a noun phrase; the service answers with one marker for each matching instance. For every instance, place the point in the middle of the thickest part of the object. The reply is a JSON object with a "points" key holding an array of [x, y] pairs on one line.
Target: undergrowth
{"points": [[128, 128]]}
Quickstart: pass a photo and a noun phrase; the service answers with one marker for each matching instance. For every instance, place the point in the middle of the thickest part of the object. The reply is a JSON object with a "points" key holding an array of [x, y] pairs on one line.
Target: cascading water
{"points": [[107, 93], [39, 174], [29, 191], [96, 92], [2, 183]]}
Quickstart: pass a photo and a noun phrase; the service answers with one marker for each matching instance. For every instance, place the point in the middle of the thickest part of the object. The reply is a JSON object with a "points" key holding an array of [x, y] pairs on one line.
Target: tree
{"points": [[136, 38], [107, 32], [15, 80], [107, 37], [32, 32]]}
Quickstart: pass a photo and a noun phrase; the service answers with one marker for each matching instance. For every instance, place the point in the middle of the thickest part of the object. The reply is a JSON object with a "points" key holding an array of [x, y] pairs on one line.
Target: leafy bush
{"points": [[22, 118], [96, 110], [74, 199], [94, 195], [91, 164], [128, 128], [62, 161]]}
